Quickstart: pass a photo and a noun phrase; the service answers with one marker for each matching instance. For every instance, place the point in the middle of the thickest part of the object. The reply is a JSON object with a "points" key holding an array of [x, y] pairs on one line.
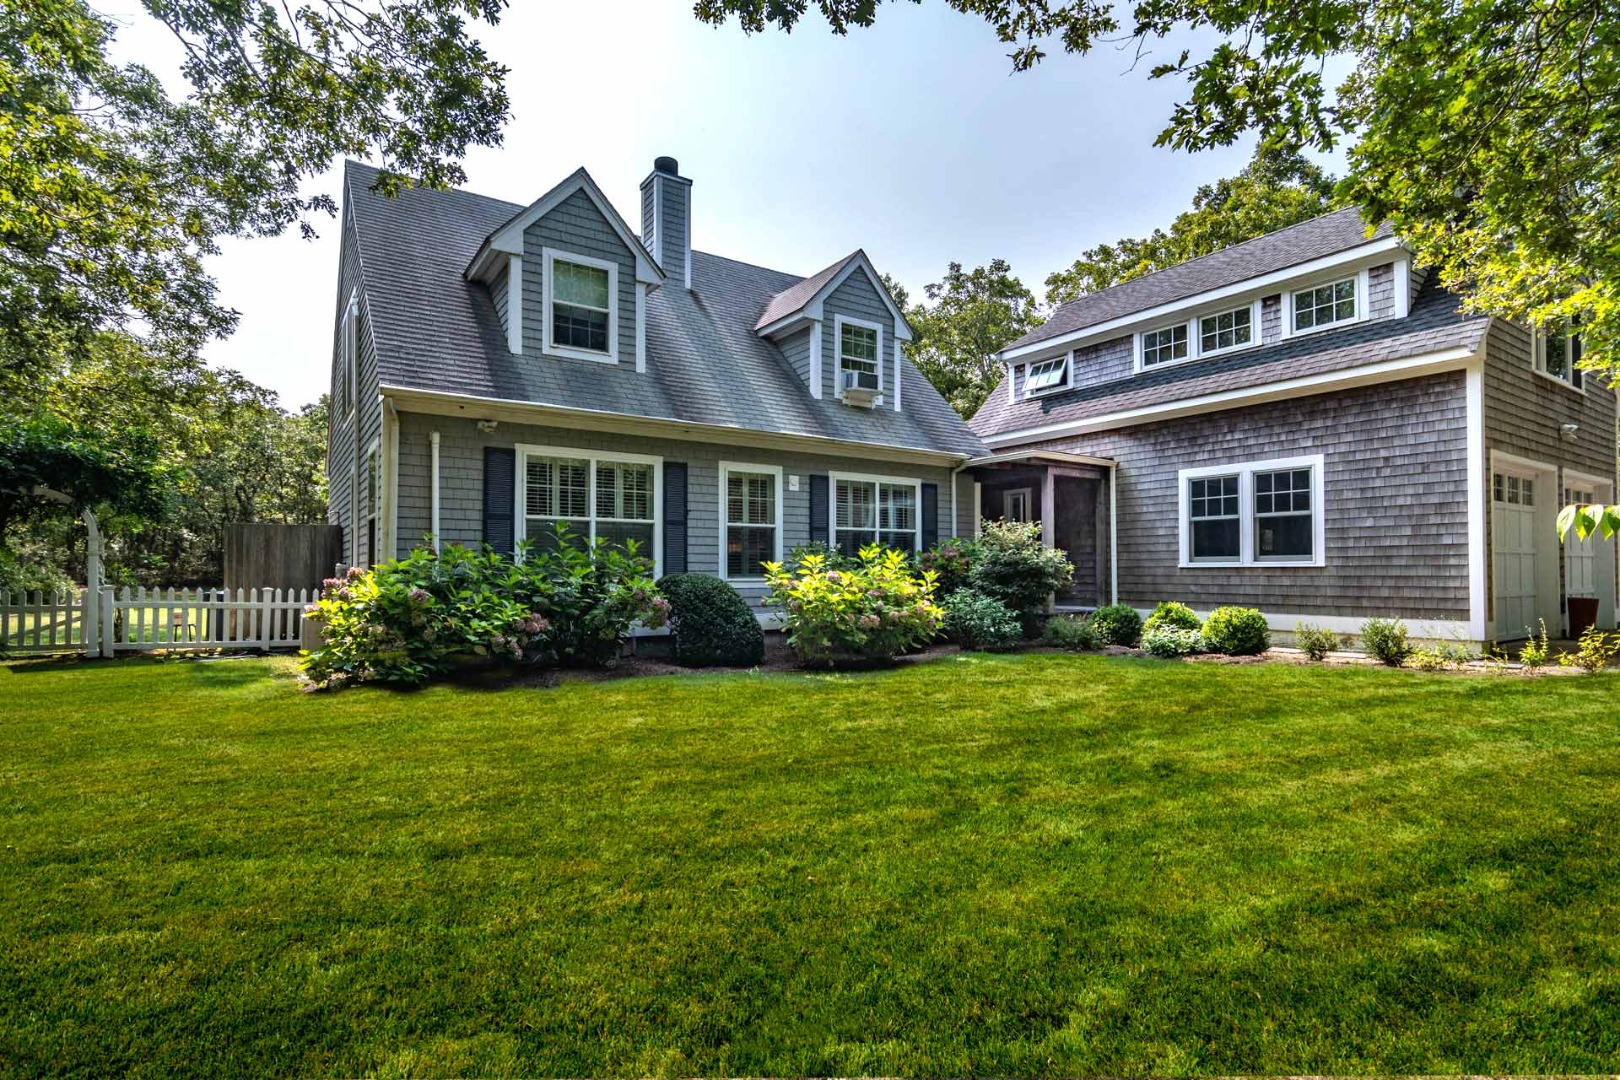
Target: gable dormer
{"points": [[569, 279], [843, 333]]}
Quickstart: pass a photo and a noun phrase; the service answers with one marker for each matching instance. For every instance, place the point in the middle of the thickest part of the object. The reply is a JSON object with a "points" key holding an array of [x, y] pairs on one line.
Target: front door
{"points": [[1514, 541]]}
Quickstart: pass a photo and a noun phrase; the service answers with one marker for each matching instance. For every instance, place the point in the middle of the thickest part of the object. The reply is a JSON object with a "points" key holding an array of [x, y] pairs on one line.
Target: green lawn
{"points": [[1013, 865]]}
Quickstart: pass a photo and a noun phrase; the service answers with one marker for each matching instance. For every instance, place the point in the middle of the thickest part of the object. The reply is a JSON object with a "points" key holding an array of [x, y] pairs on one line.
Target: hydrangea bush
{"points": [[874, 610], [418, 618]]}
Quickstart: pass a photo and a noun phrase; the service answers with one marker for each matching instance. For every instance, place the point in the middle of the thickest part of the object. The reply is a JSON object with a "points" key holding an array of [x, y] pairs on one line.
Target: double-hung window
{"points": [[1325, 305], [875, 510], [1556, 356], [594, 496], [581, 320], [1048, 375], [751, 506], [1164, 346], [860, 354], [1254, 513]]}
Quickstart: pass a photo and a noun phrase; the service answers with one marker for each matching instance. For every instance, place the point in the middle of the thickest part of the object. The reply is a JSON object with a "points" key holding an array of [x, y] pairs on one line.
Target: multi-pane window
{"points": [[1283, 525], [1227, 330], [581, 310], [1164, 346], [874, 511], [1325, 305], [1514, 490], [1047, 375], [604, 498], [1215, 518], [1556, 355], [858, 357], [751, 522]]}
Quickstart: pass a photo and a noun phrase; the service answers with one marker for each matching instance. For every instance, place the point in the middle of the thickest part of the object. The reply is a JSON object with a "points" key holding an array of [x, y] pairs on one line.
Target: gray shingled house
{"points": [[501, 368], [1306, 424]]}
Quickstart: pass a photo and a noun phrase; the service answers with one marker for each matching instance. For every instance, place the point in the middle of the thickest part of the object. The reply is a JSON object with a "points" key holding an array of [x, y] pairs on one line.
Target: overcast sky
{"points": [[912, 139]]}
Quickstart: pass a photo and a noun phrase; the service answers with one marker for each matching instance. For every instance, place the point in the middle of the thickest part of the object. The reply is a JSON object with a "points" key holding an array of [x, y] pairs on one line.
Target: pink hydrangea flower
{"points": [[870, 622], [356, 573], [420, 595]]}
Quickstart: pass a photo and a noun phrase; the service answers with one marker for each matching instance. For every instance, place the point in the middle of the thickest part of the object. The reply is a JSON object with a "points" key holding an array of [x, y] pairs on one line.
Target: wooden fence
{"points": [[106, 621]]}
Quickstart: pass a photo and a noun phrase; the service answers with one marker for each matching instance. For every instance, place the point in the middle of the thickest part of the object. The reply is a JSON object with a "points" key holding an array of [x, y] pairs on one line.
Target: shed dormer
{"points": [[569, 279], [843, 332]]}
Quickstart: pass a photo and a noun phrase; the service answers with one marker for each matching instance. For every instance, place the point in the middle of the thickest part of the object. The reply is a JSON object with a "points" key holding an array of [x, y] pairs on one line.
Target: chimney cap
{"points": [[667, 165]]}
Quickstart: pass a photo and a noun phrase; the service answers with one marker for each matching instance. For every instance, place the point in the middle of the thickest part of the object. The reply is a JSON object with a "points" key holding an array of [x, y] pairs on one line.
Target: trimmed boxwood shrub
{"points": [[1071, 632], [1237, 631], [1386, 640], [976, 621], [1170, 613], [1169, 642], [1117, 624], [711, 623]]}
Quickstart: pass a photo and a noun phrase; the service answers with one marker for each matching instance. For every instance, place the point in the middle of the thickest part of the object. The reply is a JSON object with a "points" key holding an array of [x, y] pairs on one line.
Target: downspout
{"points": [[433, 440], [392, 486], [1113, 533], [956, 523]]}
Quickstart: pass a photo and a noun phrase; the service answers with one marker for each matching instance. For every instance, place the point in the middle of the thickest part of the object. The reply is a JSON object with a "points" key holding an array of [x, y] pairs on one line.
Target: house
{"points": [[1306, 424], [499, 369]]}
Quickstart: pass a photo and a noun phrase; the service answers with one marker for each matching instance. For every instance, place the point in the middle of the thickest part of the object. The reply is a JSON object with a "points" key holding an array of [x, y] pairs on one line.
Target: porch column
{"points": [[1048, 508]]}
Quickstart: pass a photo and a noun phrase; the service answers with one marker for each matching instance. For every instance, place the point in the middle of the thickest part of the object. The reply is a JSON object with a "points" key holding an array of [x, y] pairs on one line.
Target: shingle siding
{"points": [[1525, 412], [1271, 319], [856, 298], [1381, 291], [1395, 487], [350, 437], [461, 457], [576, 226], [1103, 362]]}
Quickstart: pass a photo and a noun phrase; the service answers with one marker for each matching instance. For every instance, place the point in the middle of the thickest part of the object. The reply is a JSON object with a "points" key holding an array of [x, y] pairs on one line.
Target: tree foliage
{"points": [[1274, 190], [112, 192], [967, 317], [1485, 131]]}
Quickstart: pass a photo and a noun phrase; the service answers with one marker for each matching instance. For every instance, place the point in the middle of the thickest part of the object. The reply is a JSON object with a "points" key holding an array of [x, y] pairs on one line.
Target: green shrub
{"points": [[1170, 613], [1314, 641], [1117, 624], [1442, 657], [875, 610], [1594, 652], [1169, 641], [1237, 631], [25, 575], [1071, 632], [1536, 651], [1013, 566], [415, 619], [1385, 640], [952, 563], [831, 558], [976, 621], [711, 623]]}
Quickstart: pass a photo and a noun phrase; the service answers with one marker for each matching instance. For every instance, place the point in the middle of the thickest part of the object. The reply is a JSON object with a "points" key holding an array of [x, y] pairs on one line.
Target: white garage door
{"points": [[1581, 555], [1514, 542]]}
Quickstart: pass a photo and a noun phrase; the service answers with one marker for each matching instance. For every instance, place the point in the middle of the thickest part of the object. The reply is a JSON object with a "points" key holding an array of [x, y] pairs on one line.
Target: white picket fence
{"points": [[102, 622]]}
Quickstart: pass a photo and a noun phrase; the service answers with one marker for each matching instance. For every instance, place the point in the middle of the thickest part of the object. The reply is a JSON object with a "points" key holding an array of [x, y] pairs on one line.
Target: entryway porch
{"points": [[1071, 496]]}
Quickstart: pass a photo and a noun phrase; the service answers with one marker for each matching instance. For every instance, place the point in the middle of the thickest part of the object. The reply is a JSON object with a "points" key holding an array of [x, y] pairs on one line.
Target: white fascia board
{"points": [[1389, 371], [1363, 255], [508, 239], [1057, 456], [812, 309]]}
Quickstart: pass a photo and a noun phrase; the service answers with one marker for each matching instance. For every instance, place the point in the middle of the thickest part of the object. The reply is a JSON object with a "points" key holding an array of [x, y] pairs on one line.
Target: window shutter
{"points": [[818, 510], [500, 493], [675, 517], [930, 515]]}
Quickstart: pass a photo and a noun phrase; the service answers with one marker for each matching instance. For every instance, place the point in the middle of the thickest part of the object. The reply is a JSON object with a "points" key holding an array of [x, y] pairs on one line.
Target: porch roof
{"points": [[1040, 457]]}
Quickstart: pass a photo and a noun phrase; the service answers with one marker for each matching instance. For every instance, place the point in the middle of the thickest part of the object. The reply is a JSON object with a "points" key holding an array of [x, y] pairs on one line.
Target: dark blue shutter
{"points": [[930, 515], [500, 493], [818, 510], [674, 517]]}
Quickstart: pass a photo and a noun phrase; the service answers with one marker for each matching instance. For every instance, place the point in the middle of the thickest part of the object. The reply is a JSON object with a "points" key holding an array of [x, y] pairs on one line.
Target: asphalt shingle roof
{"points": [[436, 331], [1313, 239], [1434, 324], [793, 299]]}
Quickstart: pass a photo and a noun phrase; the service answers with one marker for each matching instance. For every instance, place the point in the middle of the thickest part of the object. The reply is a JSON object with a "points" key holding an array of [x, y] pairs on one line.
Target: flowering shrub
{"points": [[875, 610], [417, 618], [952, 563], [1013, 566]]}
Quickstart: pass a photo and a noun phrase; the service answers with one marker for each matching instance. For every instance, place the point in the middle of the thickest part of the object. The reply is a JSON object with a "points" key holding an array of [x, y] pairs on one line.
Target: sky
{"points": [[913, 139]]}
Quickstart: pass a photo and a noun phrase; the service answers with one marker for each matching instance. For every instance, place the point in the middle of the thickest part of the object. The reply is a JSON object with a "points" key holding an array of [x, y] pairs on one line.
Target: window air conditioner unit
{"points": [[860, 389]]}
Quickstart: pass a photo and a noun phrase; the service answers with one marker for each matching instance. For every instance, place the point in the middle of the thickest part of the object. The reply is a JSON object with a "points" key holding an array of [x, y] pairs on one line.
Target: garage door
{"points": [[1514, 541], [1581, 555]]}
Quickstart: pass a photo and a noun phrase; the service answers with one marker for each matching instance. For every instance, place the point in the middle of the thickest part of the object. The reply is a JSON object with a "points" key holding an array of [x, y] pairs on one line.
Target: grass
{"points": [[1010, 865]]}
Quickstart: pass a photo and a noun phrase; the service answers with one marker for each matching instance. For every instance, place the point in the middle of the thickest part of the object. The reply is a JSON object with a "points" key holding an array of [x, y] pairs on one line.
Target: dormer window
{"points": [[860, 349], [1325, 305], [1226, 330], [1164, 346], [1047, 376], [581, 316]]}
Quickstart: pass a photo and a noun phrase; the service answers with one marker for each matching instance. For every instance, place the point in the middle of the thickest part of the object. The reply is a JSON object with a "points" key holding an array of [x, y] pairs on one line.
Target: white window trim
{"points": [[1195, 336], [1360, 279], [871, 478], [839, 322], [726, 469], [1062, 384], [1007, 499], [549, 258], [521, 499], [1538, 363], [1245, 470], [1139, 361]]}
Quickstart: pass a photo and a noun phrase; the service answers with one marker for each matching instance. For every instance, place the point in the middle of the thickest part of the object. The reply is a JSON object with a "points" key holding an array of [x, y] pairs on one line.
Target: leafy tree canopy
{"points": [[1276, 189], [112, 192], [43, 455], [967, 318], [1485, 131]]}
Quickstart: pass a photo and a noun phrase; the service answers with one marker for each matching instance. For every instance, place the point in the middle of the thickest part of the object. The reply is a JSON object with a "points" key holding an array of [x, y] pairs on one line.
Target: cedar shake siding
{"points": [[1395, 496], [350, 437], [461, 482], [1525, 411]]}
